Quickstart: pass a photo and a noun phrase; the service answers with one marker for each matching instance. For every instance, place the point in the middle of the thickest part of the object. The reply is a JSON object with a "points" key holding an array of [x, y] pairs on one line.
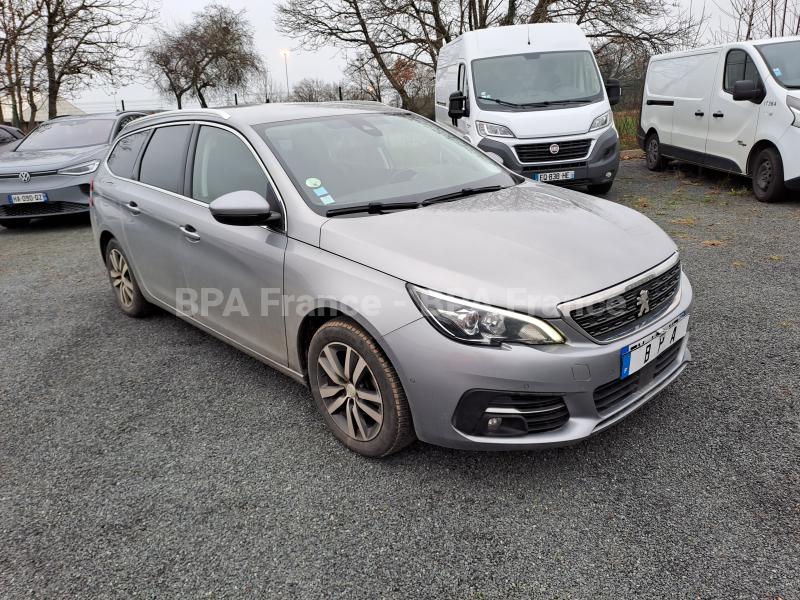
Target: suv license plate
{"points": [[26, 198]]}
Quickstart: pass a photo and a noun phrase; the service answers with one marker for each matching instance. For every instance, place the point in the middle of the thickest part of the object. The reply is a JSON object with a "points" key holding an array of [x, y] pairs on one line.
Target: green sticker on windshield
{"points": [[313, 182]]}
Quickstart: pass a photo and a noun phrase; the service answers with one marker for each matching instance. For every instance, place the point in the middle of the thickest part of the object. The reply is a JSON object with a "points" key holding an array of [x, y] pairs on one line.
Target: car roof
{"points": [[103, 115], [265, 113]]}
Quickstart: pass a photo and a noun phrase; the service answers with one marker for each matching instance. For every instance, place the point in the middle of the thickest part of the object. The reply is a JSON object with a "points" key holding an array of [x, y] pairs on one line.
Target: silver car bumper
{"points": [[438, 372], [66, 194]]}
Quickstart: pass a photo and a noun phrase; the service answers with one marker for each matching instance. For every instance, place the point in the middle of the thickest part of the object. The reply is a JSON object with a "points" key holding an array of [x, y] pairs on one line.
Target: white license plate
{"points": [[26, 198], [637, 355], [555, 176]]}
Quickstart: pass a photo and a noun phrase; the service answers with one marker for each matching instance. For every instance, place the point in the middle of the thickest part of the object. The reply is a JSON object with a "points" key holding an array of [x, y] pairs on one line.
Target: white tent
{"points": [[64, 108]]}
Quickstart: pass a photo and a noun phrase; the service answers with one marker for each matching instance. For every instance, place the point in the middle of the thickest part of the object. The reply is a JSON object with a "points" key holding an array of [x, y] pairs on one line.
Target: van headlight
{"points": [[794, 106], [81, 169], [490, 129], [475, 323], [603, 120]]}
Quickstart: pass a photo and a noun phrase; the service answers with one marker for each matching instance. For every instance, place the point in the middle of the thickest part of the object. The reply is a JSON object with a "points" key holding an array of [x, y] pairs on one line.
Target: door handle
{"points": [[699, 113], [133, 208], [718, 115], [190, 233]]}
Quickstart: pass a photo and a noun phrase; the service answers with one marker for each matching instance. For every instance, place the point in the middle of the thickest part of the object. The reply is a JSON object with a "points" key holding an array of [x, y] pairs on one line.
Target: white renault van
{"points": [[734, 108], [533, 97]]}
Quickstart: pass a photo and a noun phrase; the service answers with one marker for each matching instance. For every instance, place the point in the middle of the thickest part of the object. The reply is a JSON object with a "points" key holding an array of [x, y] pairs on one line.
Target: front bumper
{"points": [[66, 194], [603, 158], [437, 372]]}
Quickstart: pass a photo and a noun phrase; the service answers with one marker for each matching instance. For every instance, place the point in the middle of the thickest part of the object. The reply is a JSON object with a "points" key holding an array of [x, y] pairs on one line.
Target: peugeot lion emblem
{"points": [[554, 148], [24, 177], [643, 302]]}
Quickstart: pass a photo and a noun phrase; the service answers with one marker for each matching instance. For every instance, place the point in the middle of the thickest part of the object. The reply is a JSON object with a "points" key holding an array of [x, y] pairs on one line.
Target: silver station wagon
{"points": [[419, 289]]}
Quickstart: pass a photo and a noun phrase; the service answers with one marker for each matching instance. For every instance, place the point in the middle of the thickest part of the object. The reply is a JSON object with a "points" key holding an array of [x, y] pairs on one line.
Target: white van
{"points": [[532, 96], [734, 108]]}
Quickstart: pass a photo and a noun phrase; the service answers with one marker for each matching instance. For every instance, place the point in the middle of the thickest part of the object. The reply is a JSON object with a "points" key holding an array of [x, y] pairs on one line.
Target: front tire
{"points": [[357, 390], [126, 289], [14, 223], [600, 189], [652, 150], [767, 172]]}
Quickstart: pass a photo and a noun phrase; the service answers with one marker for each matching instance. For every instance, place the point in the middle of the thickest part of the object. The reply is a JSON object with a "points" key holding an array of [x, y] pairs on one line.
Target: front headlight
{"points": [[603, 120], [81, 169], [475, 323], [794, 106], [490, 129]]}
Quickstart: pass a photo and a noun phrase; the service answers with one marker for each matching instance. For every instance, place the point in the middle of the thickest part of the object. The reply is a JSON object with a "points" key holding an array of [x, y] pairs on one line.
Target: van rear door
{"points": [[691, 78]]}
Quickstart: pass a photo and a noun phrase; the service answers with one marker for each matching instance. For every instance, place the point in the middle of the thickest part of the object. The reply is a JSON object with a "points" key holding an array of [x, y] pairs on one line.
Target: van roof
{"points": [[516, 39], [749, 43]]}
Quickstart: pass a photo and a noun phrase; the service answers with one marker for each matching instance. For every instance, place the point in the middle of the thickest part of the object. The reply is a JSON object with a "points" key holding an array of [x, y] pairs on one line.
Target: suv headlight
{"points": [[794, 106], [81, 169], [475, 323], [490, 129], [603, 120]]}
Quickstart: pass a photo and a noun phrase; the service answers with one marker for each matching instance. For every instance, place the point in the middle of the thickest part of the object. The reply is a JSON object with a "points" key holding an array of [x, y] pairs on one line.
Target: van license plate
{"points": [[555, 176], [26, 198], [643, 352]]}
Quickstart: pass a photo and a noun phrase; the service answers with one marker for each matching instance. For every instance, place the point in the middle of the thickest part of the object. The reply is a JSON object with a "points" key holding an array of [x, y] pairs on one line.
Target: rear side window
{"points": [[739, 67], [223, 164], [123, 157], [6, 137], [165, 157]]}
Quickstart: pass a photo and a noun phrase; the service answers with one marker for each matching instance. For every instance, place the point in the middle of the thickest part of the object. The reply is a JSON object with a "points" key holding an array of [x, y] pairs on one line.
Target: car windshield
{"points": [[383, 158], [538, 80], [781, 58], [69, 133]]}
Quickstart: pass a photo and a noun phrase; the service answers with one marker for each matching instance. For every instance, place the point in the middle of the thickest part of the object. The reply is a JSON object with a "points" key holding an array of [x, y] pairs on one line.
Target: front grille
{"points": [[615, 393], [605, 319], [32, 174], [536, 153], [541, 413], [41, 209]]}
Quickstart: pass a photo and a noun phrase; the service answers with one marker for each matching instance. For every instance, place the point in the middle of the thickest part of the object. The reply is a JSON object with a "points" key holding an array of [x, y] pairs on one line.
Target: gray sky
{"points": [[326, 64]]}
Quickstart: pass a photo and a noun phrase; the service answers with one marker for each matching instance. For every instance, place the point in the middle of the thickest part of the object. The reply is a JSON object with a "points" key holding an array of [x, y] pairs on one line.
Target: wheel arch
{"points": [[755, 150], [105, 237]]}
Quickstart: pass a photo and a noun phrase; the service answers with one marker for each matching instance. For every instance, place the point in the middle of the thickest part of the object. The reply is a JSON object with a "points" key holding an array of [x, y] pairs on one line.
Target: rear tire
{"points": [[126, 289], [652, 151], [357, 391], [14, 223], [600, 188], [767, 174]]}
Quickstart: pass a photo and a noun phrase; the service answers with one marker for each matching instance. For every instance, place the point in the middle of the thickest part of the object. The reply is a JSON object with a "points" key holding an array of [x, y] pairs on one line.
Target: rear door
{"points": [[234, 273], [733, 124], [154, 209], [692, 78]]}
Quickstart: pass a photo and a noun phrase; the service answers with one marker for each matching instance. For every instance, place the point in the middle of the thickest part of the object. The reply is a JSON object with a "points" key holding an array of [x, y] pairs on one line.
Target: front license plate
{"points": [[555, 176], [637, 355], [26, 198]]}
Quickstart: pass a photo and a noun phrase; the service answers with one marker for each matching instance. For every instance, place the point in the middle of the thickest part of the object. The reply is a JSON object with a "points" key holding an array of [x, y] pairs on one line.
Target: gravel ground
{"points": [[147, 459]]}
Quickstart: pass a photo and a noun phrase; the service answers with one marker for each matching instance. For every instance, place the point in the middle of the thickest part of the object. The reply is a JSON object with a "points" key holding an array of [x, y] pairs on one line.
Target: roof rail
{"points": [[185, 112]]}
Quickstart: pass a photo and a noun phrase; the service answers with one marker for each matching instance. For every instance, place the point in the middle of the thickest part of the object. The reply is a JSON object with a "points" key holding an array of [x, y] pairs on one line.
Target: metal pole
{"points": [[340, 94], [235, 99], [123, 105], [286, 65]]}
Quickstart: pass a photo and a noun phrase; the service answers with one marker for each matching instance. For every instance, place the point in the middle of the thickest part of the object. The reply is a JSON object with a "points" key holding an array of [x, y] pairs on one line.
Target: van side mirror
{"points": [[747, 90], [614, 91], [243, 207], [457, 106]]}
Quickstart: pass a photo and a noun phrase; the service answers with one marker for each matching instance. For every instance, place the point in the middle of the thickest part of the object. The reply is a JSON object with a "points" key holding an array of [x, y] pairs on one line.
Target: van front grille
{"points": [[538, 153]]}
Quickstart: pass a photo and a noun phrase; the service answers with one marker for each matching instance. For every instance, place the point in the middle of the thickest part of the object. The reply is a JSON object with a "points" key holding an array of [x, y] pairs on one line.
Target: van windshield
{"points": [[536, 81], [781, 58]]}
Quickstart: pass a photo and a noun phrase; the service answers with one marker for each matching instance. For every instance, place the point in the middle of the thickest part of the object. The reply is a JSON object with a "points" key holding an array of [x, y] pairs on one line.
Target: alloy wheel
{"points": [[121, 277], [349, 391]]}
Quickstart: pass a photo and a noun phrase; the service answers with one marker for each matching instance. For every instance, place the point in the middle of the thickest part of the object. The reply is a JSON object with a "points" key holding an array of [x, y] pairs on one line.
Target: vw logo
{"points": [[554, 149], [24, 177]]}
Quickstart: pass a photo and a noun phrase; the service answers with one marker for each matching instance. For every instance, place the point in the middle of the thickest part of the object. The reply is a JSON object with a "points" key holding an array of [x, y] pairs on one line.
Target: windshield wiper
{"points": [[463, 193], [373, 208], [556, 102], [503, 102]]}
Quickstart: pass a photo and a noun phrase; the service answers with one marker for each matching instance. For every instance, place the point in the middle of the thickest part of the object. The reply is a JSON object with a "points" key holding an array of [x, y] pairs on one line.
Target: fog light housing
{"points": [[505, 425], [609, 174], [493, 424]]}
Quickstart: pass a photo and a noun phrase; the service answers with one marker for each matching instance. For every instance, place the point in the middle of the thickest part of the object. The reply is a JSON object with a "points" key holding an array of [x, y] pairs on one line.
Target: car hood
{"points": [[555, 122], [48, 160], [526, 248]]}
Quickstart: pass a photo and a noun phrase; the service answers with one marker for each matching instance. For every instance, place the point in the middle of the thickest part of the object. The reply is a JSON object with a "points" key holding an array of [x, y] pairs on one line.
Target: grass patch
{"points": [[627, 123]]}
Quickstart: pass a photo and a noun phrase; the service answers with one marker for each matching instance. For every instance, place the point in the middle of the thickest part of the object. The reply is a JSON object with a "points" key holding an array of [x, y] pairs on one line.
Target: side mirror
{"points": [[457, 107], [747, 90], [614, 91], [243, 207]]}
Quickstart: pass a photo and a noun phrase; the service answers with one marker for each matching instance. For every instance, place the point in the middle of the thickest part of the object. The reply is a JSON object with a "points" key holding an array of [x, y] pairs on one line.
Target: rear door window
{"points": [[223, 164], [164, 158], [122, 159]]}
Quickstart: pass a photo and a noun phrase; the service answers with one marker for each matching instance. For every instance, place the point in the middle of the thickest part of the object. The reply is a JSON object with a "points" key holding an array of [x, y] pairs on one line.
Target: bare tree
{"points": [[314, 90], [21, 53], [213, 53], [365, 79], [754, 19], [89, 39]]}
